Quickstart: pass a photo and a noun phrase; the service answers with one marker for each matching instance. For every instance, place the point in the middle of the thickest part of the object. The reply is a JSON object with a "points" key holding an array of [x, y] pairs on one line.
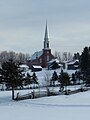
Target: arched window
{"points": [[40, 60], [47, 45], [47, 58]]}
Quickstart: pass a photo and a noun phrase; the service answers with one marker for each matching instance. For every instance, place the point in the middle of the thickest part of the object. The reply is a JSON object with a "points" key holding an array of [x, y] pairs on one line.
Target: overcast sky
{"points": [[22, 25]]}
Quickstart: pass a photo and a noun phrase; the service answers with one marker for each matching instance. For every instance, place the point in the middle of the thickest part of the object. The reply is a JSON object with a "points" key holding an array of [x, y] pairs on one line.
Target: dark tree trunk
{"points": [[12, 93]]}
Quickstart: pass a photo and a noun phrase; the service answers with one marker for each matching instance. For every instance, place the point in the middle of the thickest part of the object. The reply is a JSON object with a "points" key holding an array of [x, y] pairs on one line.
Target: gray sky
{"points": [[22, 25]]}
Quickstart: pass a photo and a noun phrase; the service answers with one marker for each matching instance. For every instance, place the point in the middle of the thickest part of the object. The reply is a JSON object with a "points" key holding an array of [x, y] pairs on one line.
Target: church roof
{"points": [[46, 33], [36, 55]]}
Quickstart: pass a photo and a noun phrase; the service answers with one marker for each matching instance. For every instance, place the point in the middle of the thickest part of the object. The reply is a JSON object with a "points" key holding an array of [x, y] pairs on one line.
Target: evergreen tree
{"points": [[76, 56], [54, 78], [11, 75], [28, 80], [55, 65], [78, 76], [73, 78], [34, 78], [84, 61], [64, 79], [85, 64]]}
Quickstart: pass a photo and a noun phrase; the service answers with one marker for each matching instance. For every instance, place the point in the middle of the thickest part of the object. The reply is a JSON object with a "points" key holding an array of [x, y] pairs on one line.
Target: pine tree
{"points": [[85, 64], [11, 75], [28, 80], [64, 79], [34, 78], [84, 61], [73, 78], [54, 78], [54, 65]]}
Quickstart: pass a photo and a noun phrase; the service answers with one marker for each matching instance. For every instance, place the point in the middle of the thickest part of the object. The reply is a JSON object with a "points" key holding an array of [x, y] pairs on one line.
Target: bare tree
{"points": [[27, 57], [12, 55], [64, 56], [47, 81], [17, 57], [3, 56], [21, 58], [70, 56], [58, 55]]}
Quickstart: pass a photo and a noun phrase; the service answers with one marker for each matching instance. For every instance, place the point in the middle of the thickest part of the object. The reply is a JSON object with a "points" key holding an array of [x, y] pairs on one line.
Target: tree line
{"points": [[66, 56], [24, 57], [17, 57]]}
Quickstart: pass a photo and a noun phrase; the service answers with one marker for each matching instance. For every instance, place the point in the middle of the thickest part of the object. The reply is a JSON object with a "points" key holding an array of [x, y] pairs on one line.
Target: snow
{"points": [[72, 62], [54, 60], [37, 66], [24, 66], [61, 107], [42, 74], [71, 107]]}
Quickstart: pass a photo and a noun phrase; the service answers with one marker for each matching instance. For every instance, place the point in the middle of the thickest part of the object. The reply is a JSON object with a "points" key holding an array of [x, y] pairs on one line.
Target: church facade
{"points": [[42, 57]]}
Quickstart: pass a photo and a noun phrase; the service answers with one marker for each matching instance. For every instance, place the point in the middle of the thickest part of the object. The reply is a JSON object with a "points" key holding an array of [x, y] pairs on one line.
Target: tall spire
{"points": [[46, 33], [46, 39]]}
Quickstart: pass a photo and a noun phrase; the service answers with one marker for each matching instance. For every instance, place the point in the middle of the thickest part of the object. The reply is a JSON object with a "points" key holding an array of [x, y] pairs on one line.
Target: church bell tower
{"points": [[47, 56], [46, 39]]}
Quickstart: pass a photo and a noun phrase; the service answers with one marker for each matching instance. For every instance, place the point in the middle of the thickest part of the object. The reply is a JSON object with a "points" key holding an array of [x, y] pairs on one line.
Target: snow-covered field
{"points": [[62, 107], [48, 73]]}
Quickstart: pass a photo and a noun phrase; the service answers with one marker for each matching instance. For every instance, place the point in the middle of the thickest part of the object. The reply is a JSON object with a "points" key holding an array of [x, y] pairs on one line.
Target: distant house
{"points": [[36, 68], [71, 65], [24, 67], [54, 64], [41, 58]]}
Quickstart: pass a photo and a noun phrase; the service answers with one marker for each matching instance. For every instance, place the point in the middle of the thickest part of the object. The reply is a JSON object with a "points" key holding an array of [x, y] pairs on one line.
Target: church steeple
{"points": [[46, 39]]}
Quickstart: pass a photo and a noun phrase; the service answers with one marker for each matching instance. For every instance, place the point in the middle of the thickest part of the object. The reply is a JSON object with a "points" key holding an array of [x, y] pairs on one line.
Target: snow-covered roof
{"points": [[54, 60], [60, 65], [24, 66], [36, 55], [72, 62], [37, 66]]}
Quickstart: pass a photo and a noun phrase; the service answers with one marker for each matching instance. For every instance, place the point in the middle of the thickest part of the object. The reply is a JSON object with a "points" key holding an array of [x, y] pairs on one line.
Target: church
{"points": [[41, 58]]}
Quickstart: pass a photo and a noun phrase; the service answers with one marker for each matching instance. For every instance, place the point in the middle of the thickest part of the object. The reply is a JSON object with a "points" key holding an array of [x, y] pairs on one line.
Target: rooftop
{"points": [[36, 55]]}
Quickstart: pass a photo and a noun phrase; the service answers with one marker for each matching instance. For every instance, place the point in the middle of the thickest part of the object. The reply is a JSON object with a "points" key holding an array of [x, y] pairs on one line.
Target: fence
{"points": [[36, 94], [44, 93]]}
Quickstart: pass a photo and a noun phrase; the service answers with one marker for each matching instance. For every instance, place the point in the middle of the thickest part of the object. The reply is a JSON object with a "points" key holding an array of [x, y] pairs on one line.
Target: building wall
{"points": [[43, 59], [47, 56]]}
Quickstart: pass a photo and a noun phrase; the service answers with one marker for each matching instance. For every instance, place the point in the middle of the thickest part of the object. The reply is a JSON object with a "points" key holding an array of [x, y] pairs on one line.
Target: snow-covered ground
{"points": [[48, 73], [62, 107]]}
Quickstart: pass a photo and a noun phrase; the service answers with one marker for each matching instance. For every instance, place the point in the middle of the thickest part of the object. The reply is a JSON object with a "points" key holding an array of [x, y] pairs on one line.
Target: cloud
{"points": [[22, 24]]}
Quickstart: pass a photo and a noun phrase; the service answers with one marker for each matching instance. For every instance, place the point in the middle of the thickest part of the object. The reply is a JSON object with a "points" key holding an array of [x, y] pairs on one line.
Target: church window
{"points": [[47, 52], [47, 45], [47, 58], [40, 60]]}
